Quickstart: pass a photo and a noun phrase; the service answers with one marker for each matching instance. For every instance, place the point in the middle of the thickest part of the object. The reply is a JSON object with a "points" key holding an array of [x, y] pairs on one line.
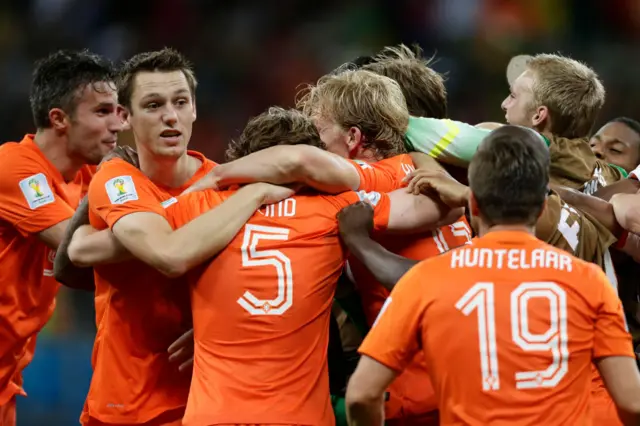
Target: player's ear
{"points": [[355, 138], [124, 114], [474, 211], [195, 114], [59, 119], [540, 116]]}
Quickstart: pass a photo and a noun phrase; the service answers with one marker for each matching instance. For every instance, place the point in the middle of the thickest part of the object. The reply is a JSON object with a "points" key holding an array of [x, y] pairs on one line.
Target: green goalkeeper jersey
{"points": [[454, 143]]}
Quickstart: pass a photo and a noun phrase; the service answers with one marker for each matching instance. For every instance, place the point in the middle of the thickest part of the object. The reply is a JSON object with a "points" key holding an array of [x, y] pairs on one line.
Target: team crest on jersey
{"points": [[370, 197], [36, 191], [121, 189]]}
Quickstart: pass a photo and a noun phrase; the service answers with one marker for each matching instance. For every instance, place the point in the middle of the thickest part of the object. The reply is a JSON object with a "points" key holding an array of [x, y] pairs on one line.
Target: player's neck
{"points": [[368, 156], [167, 171], [54, 149], [484, 229]]}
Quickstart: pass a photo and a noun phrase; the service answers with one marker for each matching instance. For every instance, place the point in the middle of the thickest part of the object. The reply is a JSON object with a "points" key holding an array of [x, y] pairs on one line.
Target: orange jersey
{"points": [[139, 312], [261, 312], [509, 326], [410, 395], [33, 198]]}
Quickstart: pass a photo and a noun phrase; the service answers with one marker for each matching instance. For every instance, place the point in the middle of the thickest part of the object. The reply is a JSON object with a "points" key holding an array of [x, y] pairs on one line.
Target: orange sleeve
{"points": [[27, 198], [395, 336], [375, 178], [118, 189], [611, 337], [381, 205], [189, 206]]}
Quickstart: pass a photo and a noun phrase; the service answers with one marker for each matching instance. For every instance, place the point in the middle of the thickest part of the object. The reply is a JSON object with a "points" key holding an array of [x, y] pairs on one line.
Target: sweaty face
{"points": [[95, 124], [617, 144], [333, 135], [519, 105], [162, 113]]}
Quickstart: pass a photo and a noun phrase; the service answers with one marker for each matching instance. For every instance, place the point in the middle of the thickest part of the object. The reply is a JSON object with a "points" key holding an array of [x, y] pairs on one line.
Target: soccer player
{"points": [[618, 142], [75, 110], [261, 342], [371, 133], [540, 316], [139, 311]]}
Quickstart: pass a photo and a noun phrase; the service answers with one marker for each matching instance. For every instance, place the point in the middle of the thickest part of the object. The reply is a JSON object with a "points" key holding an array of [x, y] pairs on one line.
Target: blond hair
{"points": [[363, 99], [422, 87], [571, 91]]}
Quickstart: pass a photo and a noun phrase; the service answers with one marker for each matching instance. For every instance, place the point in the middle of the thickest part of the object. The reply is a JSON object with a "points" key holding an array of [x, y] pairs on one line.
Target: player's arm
{"points": [[448, 141], [365, 392], [27, 201], [613, 351], [417, 213], [627, 211], [623, 186], [355, 224], [150, 238], [387, 349], [64, 270], [601, 210], [282, 164]]}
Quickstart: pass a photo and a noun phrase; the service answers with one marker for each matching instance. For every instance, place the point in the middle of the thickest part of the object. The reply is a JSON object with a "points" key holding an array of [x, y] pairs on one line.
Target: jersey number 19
{"points": [[480, 298]]}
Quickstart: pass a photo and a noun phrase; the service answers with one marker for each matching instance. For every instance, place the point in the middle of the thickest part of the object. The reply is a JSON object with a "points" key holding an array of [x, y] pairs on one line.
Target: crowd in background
{"points": [[251, 54]]}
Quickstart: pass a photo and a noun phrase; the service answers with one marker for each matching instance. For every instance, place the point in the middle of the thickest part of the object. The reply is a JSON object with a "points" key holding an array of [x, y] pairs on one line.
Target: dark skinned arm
{"points": [[64, 270], [624, 186], [598, 208], [355, 224]]}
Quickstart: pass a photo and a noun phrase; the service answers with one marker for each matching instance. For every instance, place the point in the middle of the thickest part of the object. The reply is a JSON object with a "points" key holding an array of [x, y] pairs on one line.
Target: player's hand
{"points": [[208, 181], [181, 351], [450, 191], [272, 194], [125, 153], [355, 220]]}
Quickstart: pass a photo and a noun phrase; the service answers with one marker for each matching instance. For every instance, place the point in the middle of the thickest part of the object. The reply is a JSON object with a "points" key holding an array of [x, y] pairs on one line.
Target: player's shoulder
{"points": [[207, 164], [19, 153]]}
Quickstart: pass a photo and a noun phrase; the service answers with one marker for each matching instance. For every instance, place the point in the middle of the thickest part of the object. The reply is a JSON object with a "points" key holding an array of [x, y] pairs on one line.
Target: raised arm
{"points": [[150, 237], [285, 164], [355, 224]]}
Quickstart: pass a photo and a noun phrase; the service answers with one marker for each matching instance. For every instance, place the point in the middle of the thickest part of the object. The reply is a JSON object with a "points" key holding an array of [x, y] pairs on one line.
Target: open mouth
{"points": [[170, 134]]}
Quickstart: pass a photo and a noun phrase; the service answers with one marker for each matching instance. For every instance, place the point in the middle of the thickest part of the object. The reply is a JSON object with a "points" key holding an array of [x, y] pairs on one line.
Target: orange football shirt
{"points": [[139, 311], [32, 199], [410, 395], [509, 327], [261, 311]]}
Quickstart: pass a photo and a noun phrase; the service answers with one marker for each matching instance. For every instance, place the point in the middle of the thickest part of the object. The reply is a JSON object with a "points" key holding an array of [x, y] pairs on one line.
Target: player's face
{"points": [[333, 135], [94, 126], [519, 105], [617, 144], [162, 113]]}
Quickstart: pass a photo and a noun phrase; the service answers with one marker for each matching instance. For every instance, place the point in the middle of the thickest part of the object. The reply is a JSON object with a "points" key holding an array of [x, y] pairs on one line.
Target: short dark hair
{"points": [[58, 81], [509, 176], [165, 60], [629, 122], [276, 126], [422, 87]]}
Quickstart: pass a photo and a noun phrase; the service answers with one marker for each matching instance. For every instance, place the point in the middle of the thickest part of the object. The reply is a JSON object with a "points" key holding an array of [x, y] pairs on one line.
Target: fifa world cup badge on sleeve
{"points": [[121, 189], [36, 191]]}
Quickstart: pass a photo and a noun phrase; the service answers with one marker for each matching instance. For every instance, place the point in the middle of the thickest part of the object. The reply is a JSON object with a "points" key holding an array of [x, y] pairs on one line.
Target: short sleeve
{"points": [[611, 337], [380, 202], [187, 207], [28, 197], [375, 178], [635, 173], [395, 336], [118, 189]]}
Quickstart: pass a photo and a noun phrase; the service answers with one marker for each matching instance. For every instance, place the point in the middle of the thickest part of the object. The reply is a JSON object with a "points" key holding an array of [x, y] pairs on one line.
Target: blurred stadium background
{"points": [[252, 54]]}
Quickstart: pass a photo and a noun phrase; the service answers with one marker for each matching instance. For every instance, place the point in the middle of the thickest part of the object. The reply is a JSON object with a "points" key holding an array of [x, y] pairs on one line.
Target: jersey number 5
{"points": [[252, 256], [480, 298]]}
